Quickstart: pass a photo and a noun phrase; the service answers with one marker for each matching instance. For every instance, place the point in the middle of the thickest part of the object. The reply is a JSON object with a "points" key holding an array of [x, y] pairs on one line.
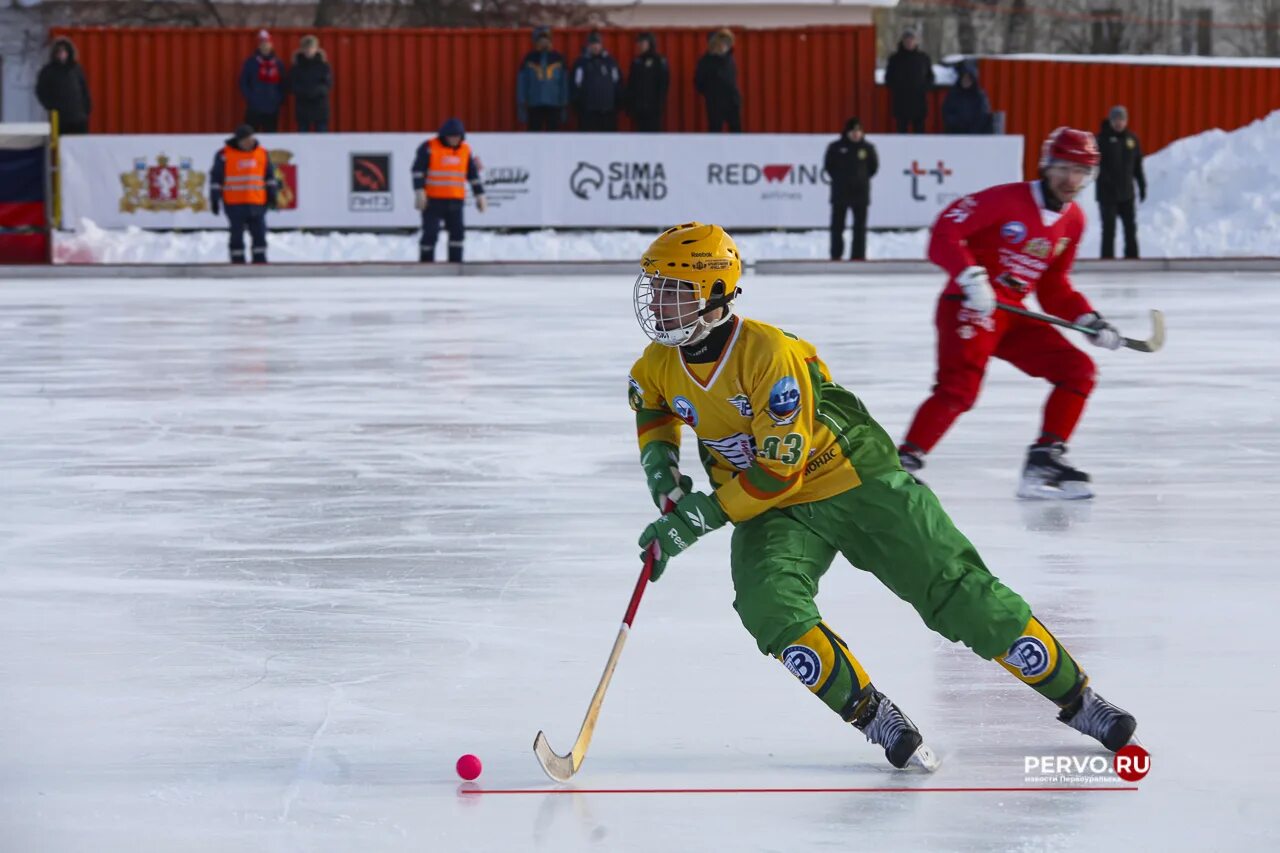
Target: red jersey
{"points": [[1008, 229]]}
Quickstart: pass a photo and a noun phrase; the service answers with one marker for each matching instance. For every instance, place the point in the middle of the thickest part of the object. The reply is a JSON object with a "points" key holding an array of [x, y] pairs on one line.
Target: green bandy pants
{"points": [[890, 526]]}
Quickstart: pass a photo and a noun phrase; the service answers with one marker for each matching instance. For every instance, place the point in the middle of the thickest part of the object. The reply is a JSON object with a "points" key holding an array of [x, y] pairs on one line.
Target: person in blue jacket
{"points": [[966, 108], [262, 83], [542, 85]]}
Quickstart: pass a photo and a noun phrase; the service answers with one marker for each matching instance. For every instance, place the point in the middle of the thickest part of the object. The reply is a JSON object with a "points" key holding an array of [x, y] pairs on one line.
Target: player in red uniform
{"points": [[999, 245]]}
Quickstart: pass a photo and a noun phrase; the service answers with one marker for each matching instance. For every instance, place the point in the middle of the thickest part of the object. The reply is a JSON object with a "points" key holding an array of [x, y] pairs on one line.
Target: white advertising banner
{"points": [[355, 181]]}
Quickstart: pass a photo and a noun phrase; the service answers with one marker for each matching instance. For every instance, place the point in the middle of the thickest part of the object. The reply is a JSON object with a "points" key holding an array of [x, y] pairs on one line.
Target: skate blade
{"points": [[924, 758], [1070, 491]]}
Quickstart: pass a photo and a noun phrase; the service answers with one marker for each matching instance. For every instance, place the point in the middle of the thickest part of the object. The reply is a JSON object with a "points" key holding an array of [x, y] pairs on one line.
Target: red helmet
{"points": [[1068, 145]]}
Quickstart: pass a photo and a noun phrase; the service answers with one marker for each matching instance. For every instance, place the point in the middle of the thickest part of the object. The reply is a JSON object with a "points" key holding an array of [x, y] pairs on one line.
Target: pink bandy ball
{"points": [[468, 767]]}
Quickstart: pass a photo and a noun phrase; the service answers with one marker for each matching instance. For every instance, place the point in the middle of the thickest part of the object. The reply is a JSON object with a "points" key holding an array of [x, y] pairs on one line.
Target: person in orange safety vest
{"points": [[243, 181], [441, 171]]}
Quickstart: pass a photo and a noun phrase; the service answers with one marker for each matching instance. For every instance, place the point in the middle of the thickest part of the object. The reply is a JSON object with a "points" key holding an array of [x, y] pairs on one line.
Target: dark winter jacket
{"points": [[263, 82], [543, 81], [851, 166], [61, 86], [716, 79], [597, 83], [310, 81], [909, 77], [1121, 165], [966, 110], [648, 82]]}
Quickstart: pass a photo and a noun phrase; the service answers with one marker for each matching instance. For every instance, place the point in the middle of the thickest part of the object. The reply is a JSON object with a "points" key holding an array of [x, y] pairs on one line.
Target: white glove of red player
{"points": [[978, 294], [1104, 334]]}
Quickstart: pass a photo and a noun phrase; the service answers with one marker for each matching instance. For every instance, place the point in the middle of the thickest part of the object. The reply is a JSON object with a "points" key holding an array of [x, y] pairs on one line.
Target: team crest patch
{"points": [[784, 401], [739, 449], [1013, 232], [743, 404], [1037, 248], [1029, 656], [685, 411], [965, 332], [804, 663]]}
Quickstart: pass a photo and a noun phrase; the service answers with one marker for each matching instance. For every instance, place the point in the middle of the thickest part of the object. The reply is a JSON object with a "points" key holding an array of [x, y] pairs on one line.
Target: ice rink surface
{"points": [[273, 553]]}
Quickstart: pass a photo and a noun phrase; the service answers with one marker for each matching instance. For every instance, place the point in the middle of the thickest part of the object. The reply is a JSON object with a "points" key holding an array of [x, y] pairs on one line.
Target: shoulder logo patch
{"points": [[784, 401], [742, 403], [685, 411]]}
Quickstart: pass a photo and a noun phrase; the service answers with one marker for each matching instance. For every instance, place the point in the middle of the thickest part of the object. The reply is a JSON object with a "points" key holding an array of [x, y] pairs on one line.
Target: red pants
{"points": [[966, 342]]}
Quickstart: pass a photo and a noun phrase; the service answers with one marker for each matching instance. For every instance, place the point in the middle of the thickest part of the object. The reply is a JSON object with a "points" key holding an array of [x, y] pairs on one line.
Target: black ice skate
{"points": [[912, 462], [884, 724], [1047, 476], [1094, 716]]}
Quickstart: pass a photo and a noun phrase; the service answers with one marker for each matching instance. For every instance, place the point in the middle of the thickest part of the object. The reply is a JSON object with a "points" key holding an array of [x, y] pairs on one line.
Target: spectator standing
{"points": [[243, 180], [542, 85], [61, 88], [909, 76], [647, 85], [441, 171], [262, 83], [310, 81], [1120, 169], [966, 108], [716, 79], [851, 162], [597, 86]]}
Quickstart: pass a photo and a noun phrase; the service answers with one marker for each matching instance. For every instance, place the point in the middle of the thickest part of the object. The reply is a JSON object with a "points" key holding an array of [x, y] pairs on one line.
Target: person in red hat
{"points": [[998, 246], [262, 83]]}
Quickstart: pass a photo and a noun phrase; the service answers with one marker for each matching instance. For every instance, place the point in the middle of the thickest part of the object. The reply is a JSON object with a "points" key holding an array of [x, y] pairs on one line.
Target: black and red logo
{"points": [[370, 183]]}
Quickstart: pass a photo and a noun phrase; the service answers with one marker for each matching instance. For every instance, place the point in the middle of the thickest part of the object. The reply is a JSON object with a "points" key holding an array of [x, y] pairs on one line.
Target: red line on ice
{"points": [[477, 791]]}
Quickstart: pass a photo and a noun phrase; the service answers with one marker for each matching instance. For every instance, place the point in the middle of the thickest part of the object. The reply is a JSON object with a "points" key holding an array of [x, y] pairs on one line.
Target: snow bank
{"points": [[1216, 194]]}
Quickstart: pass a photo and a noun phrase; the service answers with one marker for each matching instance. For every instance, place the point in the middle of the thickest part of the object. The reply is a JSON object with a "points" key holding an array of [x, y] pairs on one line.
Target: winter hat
{"points": [[244, 131], [1118, 113], [910, 33], [594, 37], [308, 41], [851, 124], [452, 127], [541, 33], [263, 35]]}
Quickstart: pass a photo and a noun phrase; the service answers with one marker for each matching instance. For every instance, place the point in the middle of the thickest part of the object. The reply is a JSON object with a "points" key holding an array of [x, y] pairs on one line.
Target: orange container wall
{"points": [[177, 80], [1166, 102]]}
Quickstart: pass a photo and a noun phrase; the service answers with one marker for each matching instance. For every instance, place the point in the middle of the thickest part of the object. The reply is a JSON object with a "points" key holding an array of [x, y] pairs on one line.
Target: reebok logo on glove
{"points": [[696, 519], [675, 537]]}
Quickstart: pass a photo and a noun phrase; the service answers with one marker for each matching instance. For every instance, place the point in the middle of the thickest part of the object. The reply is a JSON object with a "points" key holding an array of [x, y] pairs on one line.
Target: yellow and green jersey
{"points": [[772, 428]]}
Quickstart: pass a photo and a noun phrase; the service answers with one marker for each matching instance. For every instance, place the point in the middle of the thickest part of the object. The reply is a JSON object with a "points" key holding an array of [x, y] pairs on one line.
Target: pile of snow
{"points": [[92, 244], [1216, 194]]}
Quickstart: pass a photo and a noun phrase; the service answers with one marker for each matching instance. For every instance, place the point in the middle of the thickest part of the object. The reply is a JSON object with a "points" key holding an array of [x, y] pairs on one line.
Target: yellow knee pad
{"points": [[822, 663]]}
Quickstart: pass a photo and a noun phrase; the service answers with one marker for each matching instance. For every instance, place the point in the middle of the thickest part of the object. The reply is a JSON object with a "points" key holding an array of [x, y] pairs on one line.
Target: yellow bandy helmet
{"points": [[690, 271]]}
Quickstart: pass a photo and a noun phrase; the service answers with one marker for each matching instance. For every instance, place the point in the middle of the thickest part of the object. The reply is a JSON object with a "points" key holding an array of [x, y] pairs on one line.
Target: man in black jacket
{"points": [[597, 87], [310, 80], [909, 77], [851, 162], [716, 79], [647, 85], [61, 87], [1121, 166]]}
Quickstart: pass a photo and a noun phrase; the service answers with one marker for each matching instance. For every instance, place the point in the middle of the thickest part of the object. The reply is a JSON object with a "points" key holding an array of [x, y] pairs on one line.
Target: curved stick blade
{"points": [[559, 767], [1153, 343]]}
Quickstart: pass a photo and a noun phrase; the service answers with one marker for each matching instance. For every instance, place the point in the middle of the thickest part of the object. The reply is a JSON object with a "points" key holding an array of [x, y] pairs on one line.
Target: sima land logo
{"points": [[619, 181]]}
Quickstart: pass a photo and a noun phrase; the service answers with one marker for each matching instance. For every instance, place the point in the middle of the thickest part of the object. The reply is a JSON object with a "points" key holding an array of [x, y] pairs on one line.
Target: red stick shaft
{"points": [[638, 593]]}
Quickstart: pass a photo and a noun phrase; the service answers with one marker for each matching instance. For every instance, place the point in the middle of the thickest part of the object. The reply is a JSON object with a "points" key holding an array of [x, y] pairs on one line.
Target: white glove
{"points": [[978, 295], [420, 199], [482, 203], [1104, 334]]}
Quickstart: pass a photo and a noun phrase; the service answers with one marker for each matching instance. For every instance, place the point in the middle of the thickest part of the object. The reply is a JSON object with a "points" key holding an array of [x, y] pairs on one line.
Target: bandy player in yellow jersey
{"points": [[802, 472]]}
